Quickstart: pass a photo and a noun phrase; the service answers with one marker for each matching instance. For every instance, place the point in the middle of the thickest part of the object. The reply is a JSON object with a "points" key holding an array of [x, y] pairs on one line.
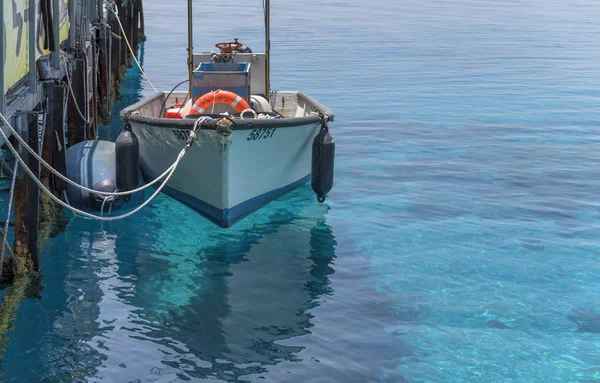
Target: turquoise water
{"points": [[459, 243]]}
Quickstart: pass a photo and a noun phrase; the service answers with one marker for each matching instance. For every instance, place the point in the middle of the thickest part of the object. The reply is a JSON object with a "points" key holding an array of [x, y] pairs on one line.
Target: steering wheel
{"points": [[228, 47]]}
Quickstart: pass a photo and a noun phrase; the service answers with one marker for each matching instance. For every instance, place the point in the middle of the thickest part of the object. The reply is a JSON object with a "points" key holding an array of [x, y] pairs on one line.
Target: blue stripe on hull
{"points": [[228, 217]]}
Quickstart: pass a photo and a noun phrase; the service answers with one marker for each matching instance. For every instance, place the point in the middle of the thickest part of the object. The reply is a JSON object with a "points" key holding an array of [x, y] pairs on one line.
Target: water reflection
{"points": [[248, 305], [217, 311]]}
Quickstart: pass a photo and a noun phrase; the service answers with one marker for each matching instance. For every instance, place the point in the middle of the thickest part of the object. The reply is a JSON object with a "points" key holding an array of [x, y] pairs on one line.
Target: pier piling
{"points": [[135, 31], [104, 43], [54, 150], [52, 217], [77, 102], [76, 41], [27, 196], [115, 59]]}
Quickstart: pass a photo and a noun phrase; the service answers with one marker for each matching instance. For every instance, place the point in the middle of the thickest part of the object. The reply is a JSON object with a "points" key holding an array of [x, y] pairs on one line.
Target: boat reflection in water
{"points": [[216, 309]]}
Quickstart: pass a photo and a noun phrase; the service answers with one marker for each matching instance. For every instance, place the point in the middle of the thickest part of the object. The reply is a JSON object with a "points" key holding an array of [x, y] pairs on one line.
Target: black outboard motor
{"points": [[323, 153], [127, 154]]}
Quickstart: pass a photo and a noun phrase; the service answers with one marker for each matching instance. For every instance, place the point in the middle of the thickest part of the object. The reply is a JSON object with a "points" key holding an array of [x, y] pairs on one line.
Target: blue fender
{"points": [[93, 164]]}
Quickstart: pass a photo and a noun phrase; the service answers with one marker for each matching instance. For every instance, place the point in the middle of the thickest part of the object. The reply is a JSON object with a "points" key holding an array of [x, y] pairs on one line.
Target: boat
{"points": [[253, 144]]}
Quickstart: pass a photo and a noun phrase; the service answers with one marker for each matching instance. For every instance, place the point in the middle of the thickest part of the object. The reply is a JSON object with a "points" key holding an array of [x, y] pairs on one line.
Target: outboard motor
{"points": [[323, 153], [127, 154], [92, 164]]}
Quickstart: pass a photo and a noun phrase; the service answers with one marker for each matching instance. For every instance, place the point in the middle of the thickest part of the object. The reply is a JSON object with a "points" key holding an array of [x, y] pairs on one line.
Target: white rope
{"points": [[85, 119], [110, 200], [113, 8], [73, 183], [92, 216]]}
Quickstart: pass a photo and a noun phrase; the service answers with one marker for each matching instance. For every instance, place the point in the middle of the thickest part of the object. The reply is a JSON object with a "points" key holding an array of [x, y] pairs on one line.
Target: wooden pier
{"points": [[55, 90]]}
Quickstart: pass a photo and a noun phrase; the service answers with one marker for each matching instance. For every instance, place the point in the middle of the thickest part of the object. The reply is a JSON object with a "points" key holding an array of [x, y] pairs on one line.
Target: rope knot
{"points": [[194, 133], [193, 136]]}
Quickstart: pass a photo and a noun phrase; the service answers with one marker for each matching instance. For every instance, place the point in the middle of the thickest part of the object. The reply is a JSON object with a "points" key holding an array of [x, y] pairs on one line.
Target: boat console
{"points": [[230, 82]]}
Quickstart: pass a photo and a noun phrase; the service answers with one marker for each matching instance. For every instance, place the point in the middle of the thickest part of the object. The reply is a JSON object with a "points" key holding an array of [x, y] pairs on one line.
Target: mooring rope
{"points": [[192, 138], [110, 5], [85, 119], [73, 183]]}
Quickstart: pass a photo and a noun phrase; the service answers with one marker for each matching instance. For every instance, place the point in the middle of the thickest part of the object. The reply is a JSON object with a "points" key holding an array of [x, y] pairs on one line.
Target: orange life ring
{"points": [[219, 97]]}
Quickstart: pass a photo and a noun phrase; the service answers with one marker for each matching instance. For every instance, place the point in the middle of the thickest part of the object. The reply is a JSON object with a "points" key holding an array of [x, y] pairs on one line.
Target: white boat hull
{"points": [[227, 177]]}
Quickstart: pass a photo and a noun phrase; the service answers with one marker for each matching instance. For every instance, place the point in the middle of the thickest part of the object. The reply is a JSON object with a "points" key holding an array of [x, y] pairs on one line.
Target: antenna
{"points": [[267, 4], [190, 47]]}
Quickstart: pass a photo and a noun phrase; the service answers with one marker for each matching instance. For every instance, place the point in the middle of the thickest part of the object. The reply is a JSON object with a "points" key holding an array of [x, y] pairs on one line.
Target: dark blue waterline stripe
{"points": [[228, 217]]}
